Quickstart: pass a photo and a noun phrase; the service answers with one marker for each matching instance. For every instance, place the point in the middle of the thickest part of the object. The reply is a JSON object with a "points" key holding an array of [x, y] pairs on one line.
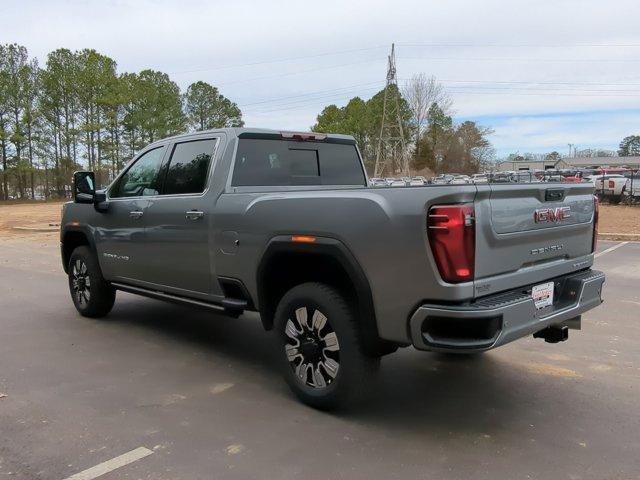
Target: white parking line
{"points": [[610, 249], [110, 465]]}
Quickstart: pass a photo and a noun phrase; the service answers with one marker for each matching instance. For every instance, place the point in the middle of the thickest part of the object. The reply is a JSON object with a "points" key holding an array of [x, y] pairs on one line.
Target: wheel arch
{"points": [[72, 238], [286, 263]]}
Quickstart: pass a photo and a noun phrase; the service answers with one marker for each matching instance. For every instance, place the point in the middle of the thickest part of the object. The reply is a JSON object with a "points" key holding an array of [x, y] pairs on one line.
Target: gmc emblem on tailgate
{"points": [[544, 215]]}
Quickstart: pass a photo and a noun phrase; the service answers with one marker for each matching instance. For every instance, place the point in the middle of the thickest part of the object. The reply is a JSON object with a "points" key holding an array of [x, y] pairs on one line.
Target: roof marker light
{"points": [[303, 238], [304, 136]]}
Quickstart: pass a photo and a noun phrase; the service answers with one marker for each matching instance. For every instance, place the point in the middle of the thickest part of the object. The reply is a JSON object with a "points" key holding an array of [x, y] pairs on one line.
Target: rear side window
{"points": [[188, 167], [262, 162]]}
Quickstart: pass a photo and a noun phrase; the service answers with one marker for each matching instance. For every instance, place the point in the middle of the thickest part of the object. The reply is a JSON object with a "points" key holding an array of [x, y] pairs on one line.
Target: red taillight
{"points": [[452, 236], [612, 184], [596, 208]]}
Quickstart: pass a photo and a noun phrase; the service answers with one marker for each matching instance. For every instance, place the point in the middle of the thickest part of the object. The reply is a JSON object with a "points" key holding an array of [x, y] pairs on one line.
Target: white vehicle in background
{"points": [[460, 180], [395, 182], [418, 181], [479, 178], [609, 185], [632, 186], [442, 178], [377, 182]]}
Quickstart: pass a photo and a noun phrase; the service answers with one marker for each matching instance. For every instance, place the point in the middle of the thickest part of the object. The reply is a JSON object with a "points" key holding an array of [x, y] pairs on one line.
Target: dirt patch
{"points": [[623, 219], [40, 216], [551, 370]]}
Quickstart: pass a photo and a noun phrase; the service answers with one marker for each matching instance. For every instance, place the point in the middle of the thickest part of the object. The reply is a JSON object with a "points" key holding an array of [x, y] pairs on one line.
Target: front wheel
{"points": [[92, 295], [320, 350]]}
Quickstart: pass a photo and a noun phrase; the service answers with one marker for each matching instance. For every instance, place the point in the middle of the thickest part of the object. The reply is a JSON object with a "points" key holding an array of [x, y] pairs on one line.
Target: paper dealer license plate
{"points": [[542, 295]]}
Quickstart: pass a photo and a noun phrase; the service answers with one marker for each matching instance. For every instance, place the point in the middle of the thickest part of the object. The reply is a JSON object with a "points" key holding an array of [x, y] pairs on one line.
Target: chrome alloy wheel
{"points": [[80, 282], [312, 348]]}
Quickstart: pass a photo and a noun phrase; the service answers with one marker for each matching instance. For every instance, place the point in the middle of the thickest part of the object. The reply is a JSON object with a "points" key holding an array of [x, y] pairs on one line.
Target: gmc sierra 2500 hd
{"points": [[286, 224]]}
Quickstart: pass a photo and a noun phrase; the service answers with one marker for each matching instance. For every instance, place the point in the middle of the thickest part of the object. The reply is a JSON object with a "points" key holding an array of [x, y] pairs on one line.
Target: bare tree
{"points": [[420, 93]]}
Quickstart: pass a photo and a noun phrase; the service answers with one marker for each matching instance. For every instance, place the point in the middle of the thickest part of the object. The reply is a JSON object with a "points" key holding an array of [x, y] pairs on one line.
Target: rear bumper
{"points": [[499, 319]]}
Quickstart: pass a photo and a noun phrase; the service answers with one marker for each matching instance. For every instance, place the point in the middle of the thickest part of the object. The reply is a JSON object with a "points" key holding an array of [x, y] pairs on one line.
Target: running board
{"points": [[170, 298]]}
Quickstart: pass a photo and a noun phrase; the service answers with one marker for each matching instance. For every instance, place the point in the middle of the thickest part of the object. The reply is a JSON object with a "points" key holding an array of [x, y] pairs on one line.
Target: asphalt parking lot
{"points": [[202, 396]]}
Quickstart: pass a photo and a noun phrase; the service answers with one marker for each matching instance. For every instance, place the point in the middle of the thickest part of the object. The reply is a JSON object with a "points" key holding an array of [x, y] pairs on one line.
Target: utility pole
{"points": [[391, 152]]}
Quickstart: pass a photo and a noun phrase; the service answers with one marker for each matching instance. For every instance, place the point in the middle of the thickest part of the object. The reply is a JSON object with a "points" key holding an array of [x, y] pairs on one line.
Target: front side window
{"points": [[266, 162], [188, 167], [142, 178]]}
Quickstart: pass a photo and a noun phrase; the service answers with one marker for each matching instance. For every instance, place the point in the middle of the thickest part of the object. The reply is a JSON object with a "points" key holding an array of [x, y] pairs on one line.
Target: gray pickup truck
{"points": [[285, 224]]}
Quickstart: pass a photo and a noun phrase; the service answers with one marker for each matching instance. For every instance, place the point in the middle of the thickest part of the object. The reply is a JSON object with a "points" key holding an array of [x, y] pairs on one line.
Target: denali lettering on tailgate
{"points": [[550, 248], [543, 215]]}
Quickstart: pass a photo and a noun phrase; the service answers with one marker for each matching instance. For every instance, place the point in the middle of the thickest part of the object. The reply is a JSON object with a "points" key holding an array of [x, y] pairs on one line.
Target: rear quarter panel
{"points": [[383, 228]]}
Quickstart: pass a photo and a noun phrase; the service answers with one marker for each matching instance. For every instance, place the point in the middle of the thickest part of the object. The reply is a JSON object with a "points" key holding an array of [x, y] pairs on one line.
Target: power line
{"points": [[309, 94], [316, 95], [329, 67], [509, 87], [545, 94], [307, 102], [410, 45], [279, 60], [522, 59], [378, 47], [521, 82], [522, 45]]}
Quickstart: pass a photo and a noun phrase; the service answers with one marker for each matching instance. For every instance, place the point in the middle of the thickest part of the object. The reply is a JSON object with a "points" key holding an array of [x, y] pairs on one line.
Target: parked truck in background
{"points": [[632, 186], [286, 224], [609, 185]]}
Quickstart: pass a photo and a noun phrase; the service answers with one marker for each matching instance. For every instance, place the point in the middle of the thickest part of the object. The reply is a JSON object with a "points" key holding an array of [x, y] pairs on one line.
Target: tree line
{"points": [[435, 143], [629, 146], [77, 111]]}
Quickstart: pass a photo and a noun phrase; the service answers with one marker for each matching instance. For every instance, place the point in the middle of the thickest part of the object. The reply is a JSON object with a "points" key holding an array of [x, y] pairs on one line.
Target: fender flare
{"points": [[64, 230], [337, 250]]}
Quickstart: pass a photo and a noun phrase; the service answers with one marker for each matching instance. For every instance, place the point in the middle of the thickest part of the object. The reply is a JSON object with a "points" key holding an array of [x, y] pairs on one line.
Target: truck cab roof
{"points": [[265, 133]]}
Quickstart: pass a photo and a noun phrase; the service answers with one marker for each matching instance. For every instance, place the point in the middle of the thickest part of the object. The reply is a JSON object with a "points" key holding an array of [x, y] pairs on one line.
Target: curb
{"points": [[37, 229], [620, 236]]}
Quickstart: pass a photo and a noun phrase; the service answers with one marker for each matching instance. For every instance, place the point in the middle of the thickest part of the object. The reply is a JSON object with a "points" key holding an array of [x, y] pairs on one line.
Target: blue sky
{"points": [[544, 132], [542, 74]]}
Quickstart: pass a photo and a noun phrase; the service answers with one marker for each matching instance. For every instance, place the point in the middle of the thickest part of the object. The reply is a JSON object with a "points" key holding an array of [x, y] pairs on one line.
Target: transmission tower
{"points": [[391, 152]]}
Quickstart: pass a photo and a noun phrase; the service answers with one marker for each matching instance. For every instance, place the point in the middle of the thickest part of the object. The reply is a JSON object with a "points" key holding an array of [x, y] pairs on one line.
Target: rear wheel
{"points": [[92, 295], [320, 350]]}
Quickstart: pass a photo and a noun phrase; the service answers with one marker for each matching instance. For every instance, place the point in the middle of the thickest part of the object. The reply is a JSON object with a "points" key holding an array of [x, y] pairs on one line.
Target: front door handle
{"points": [[136, 214], [194, 214]]}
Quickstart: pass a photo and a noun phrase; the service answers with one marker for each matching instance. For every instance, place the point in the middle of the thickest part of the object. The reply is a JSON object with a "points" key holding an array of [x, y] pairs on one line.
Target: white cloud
{"points": [[497, 41]]}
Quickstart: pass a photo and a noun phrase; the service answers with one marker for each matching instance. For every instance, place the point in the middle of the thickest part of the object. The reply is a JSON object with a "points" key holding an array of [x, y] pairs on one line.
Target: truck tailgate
{"points": [[528, 233]]}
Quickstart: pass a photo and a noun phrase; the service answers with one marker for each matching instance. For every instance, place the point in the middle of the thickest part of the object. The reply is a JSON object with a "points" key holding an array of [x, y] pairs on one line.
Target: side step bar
{"points": [[229, 306]]}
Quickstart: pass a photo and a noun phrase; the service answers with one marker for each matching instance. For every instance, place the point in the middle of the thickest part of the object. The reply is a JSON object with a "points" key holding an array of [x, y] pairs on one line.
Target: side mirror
{"points": [[84, 187]]}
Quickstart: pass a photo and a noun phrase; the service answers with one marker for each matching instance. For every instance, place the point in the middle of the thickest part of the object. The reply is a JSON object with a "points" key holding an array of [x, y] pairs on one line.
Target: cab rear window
{"points": [[267, 162]]}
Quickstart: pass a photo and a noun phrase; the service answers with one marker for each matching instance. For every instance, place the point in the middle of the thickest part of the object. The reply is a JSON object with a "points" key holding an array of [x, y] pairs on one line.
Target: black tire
{"points": [[314, 344], [93, 298]]}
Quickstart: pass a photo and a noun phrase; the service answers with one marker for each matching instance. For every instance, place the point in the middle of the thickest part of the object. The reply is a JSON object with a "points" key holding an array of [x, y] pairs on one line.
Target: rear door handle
{"points": [[194, 214], [136, 214]]}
